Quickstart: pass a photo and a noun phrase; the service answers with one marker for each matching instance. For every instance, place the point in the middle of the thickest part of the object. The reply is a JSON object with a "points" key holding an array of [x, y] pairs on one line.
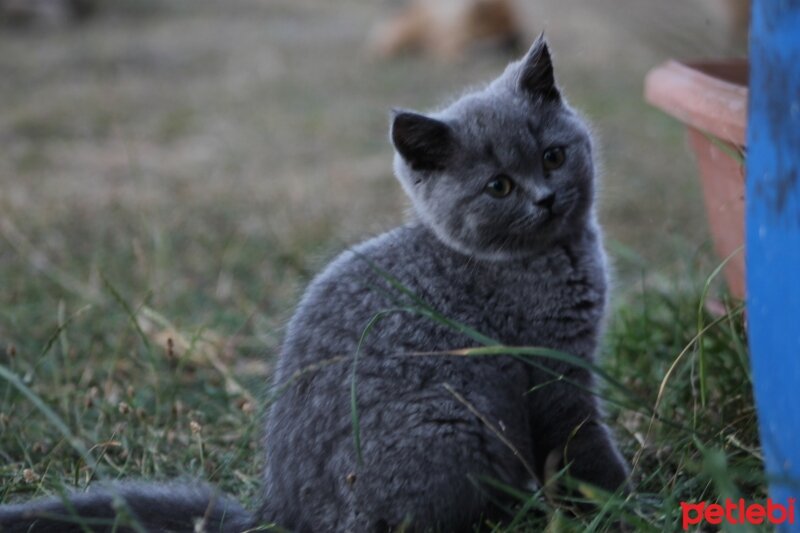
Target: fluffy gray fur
{"points": [[525, 269]]}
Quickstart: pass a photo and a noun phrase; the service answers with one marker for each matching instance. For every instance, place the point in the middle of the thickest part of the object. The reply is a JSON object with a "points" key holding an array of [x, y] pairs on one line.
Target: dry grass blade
{"points": [[205, 347]]}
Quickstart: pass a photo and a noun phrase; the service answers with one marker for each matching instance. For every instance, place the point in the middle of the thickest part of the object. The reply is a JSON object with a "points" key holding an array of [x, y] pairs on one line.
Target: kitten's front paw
{"points": [[578, 495], [571, 476]]}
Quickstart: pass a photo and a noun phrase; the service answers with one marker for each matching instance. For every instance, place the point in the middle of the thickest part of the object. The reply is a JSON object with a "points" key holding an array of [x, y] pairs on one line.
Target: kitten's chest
{"points": [[553, 302]]}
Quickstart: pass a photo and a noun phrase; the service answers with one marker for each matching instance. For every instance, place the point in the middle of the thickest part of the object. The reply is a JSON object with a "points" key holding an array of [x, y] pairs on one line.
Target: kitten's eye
{"points": [[553, 158], [500, 186]]}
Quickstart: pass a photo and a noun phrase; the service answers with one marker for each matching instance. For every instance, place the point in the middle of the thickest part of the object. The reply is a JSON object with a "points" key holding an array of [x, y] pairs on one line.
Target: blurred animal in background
{"points": [[736, 16], [20, 13], [446, 28]]}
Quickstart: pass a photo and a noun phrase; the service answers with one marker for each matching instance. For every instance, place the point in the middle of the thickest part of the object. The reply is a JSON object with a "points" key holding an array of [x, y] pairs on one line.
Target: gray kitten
{"points": [[504, 242]]}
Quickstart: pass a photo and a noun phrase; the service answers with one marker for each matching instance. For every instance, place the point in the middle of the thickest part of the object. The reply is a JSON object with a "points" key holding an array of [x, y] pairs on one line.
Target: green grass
{"points": [[706, 451], [132, 348]]}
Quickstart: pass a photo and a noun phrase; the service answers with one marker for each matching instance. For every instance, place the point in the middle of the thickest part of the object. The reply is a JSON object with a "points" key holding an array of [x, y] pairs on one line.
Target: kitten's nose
{"points": [[546, 201]]}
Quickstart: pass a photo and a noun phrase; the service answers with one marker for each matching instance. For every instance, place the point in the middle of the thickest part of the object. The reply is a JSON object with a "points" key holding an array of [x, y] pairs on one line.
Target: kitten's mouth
{"points": [[534, 221]]}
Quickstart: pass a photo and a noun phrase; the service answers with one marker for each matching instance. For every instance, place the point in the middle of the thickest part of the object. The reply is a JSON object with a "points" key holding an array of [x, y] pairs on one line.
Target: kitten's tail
{"points": [[130, 507]]}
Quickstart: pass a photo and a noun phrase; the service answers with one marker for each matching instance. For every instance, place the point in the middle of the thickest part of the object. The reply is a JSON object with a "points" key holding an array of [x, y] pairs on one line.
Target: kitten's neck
{"points": [[585, 236]]}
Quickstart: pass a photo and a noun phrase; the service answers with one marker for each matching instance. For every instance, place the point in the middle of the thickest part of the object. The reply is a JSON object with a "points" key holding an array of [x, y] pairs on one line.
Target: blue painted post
{"points": [[773, 240]]}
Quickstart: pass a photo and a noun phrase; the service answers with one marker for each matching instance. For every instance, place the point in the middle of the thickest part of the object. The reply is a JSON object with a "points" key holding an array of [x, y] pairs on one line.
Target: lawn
{"points": [[174, 174]]}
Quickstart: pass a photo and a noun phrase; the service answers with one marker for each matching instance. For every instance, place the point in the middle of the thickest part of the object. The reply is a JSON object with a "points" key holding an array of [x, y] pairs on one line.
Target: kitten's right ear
{"points": [[425, 143], [536, 72]]}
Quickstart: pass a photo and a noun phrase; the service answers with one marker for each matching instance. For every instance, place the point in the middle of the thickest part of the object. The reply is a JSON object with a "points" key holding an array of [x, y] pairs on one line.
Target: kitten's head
{"points": [[503, 172]]}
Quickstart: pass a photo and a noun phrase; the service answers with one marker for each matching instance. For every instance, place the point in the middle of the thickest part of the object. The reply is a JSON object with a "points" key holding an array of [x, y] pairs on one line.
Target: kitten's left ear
{"points": [[536, 72], [424, 142]]}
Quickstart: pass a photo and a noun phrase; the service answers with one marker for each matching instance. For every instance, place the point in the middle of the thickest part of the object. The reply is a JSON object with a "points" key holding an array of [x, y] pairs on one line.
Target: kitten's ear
{"points": [[425, 143], [536, 72]]}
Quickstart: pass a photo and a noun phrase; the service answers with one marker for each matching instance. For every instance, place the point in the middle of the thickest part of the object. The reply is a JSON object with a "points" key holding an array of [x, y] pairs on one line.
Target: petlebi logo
{"points": [[738, 512]]}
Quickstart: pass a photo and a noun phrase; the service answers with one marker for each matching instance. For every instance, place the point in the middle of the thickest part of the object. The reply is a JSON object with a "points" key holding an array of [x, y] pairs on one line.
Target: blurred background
{"points": [[144, 129], [210, 156], [173, 172]]}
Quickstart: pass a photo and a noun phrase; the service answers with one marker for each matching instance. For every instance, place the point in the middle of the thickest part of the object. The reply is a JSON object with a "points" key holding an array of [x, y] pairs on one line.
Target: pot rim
{"points": [[703, 94]]}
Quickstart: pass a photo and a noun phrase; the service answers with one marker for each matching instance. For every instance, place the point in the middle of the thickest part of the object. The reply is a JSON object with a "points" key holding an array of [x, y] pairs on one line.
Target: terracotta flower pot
{"points": [[711, 99]]}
